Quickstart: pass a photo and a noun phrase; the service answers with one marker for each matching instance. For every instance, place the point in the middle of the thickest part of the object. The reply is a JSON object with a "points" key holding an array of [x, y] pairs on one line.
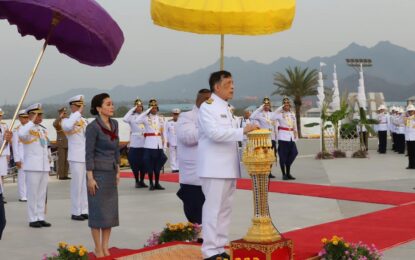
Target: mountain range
{"points": [[393, 73]]}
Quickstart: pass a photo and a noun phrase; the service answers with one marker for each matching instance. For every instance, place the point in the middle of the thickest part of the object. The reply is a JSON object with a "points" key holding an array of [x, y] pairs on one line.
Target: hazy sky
{"points": [[152, 53]]}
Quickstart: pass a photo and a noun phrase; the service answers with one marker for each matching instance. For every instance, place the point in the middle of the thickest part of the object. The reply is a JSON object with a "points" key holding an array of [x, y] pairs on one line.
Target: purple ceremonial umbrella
{"points": [[81, 29], [86, 32]]}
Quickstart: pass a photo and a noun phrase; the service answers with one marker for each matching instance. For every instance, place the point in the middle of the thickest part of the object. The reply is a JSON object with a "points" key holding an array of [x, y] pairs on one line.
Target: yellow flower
{"points": [[173, 227], [189, 224], [181, 226], [72, 249], [324, 240], [81, 252], [346, 245], [335, 242], [189, 229], [62, 244]]}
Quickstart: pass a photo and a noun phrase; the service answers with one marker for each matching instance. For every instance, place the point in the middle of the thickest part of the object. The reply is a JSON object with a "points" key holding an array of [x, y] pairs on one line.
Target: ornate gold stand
{"points": [[258, 158]]}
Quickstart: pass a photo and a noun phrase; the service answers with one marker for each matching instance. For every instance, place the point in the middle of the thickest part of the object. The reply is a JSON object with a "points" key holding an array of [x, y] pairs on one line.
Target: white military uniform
{"points": [[218, 167], [171, 137], [287, 125], [74, 128], [410, 137], [154, 126], [384, 123], [18, 155], [187, 139], [36, 164], [4, 164], [265, 120], [137, 130]]}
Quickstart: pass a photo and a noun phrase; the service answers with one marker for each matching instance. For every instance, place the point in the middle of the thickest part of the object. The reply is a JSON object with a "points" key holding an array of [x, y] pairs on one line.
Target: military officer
{"points": [[382, 128], [263, 116], [399, 126], [74, 128], [36, 164], [391, 126], [190, 191], [136, 149], [218, 163], [287, 136], [410, 135], [171, 139], [18, 155], [153, 155], [62, 145], [7, 137], [243, 121], [5, 156]]}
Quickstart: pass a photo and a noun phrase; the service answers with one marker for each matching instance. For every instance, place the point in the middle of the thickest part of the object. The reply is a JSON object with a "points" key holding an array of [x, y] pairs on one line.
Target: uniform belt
{"points": [[285, 128], [151, 134]]}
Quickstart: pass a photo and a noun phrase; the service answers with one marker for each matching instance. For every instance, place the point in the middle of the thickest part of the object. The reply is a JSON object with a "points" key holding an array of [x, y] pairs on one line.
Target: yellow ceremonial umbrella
{"points": [[240, 17]]}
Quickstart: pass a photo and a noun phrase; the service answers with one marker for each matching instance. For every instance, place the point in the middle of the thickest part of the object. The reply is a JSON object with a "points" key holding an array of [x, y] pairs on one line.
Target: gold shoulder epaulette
{"points": [[209, 101]]}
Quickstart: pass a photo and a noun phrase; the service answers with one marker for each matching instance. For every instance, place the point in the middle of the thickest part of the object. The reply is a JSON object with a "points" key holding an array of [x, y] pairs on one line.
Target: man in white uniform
{"points": [[190, 191], [218, 163], [410, 135], [18, 154], [170, 136], [36, 164], [5, 156], [8, 138], [382, 128], [153, 155], [287, 136], [263, 116], [136, 149], [74, 128]]}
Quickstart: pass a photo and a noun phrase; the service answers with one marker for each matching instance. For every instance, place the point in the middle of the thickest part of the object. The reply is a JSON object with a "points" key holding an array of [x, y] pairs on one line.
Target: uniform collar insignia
{"points": [[209, 101]]}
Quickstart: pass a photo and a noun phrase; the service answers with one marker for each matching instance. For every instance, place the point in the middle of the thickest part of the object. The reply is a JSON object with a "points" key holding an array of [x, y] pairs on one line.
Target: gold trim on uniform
{"points": [[209, 101]]}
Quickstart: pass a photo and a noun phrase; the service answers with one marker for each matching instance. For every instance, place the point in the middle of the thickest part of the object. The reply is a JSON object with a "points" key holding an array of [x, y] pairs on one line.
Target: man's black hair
{"points": [[216, 77]]}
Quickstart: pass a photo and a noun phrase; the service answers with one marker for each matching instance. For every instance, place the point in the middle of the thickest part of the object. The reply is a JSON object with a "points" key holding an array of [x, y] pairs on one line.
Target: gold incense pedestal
{"points": [[258, 158]]}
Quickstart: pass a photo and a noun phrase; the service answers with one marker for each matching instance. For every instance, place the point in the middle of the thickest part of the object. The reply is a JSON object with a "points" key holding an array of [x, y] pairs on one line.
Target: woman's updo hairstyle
{"points": [[97, 101]]}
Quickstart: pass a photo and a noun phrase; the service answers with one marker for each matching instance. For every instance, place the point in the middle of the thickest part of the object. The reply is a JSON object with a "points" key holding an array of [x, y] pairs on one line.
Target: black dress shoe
{"points": [[151, 187], [79, 218], [271, 176], [44, 223], [141, 184], [285, 177], [35, 224], [85, 216], [410, 168], [65, 178], [22, 200], [224, 255], [175, 171], [214, 257], [290, 177], [159, 187], [4, 202]]}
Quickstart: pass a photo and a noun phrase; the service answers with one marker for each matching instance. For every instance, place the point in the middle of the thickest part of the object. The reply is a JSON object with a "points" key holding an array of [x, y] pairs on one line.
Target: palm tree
{"points": [[297, 83]]}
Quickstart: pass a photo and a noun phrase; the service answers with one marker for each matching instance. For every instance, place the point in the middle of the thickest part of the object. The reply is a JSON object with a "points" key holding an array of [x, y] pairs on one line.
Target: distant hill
{"points": [[393, 73]]}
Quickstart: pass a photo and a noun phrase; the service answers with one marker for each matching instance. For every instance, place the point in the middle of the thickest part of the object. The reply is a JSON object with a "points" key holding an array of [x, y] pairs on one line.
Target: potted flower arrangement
{"points": [[338, 249], [187, 232], [68, 252]]}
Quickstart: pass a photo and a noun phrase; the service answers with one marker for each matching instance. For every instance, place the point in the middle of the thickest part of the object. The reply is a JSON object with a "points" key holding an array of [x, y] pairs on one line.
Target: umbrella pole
{"points": [[222, 52], [55, 21]]}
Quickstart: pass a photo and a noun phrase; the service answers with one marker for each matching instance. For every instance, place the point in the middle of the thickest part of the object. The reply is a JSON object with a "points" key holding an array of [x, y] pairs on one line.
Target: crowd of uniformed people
{"points": [[204, 147]]}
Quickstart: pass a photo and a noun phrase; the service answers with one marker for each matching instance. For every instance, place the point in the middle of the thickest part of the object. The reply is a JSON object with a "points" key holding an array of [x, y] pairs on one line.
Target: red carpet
{"points": [[314, 190], [386, 228]]}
